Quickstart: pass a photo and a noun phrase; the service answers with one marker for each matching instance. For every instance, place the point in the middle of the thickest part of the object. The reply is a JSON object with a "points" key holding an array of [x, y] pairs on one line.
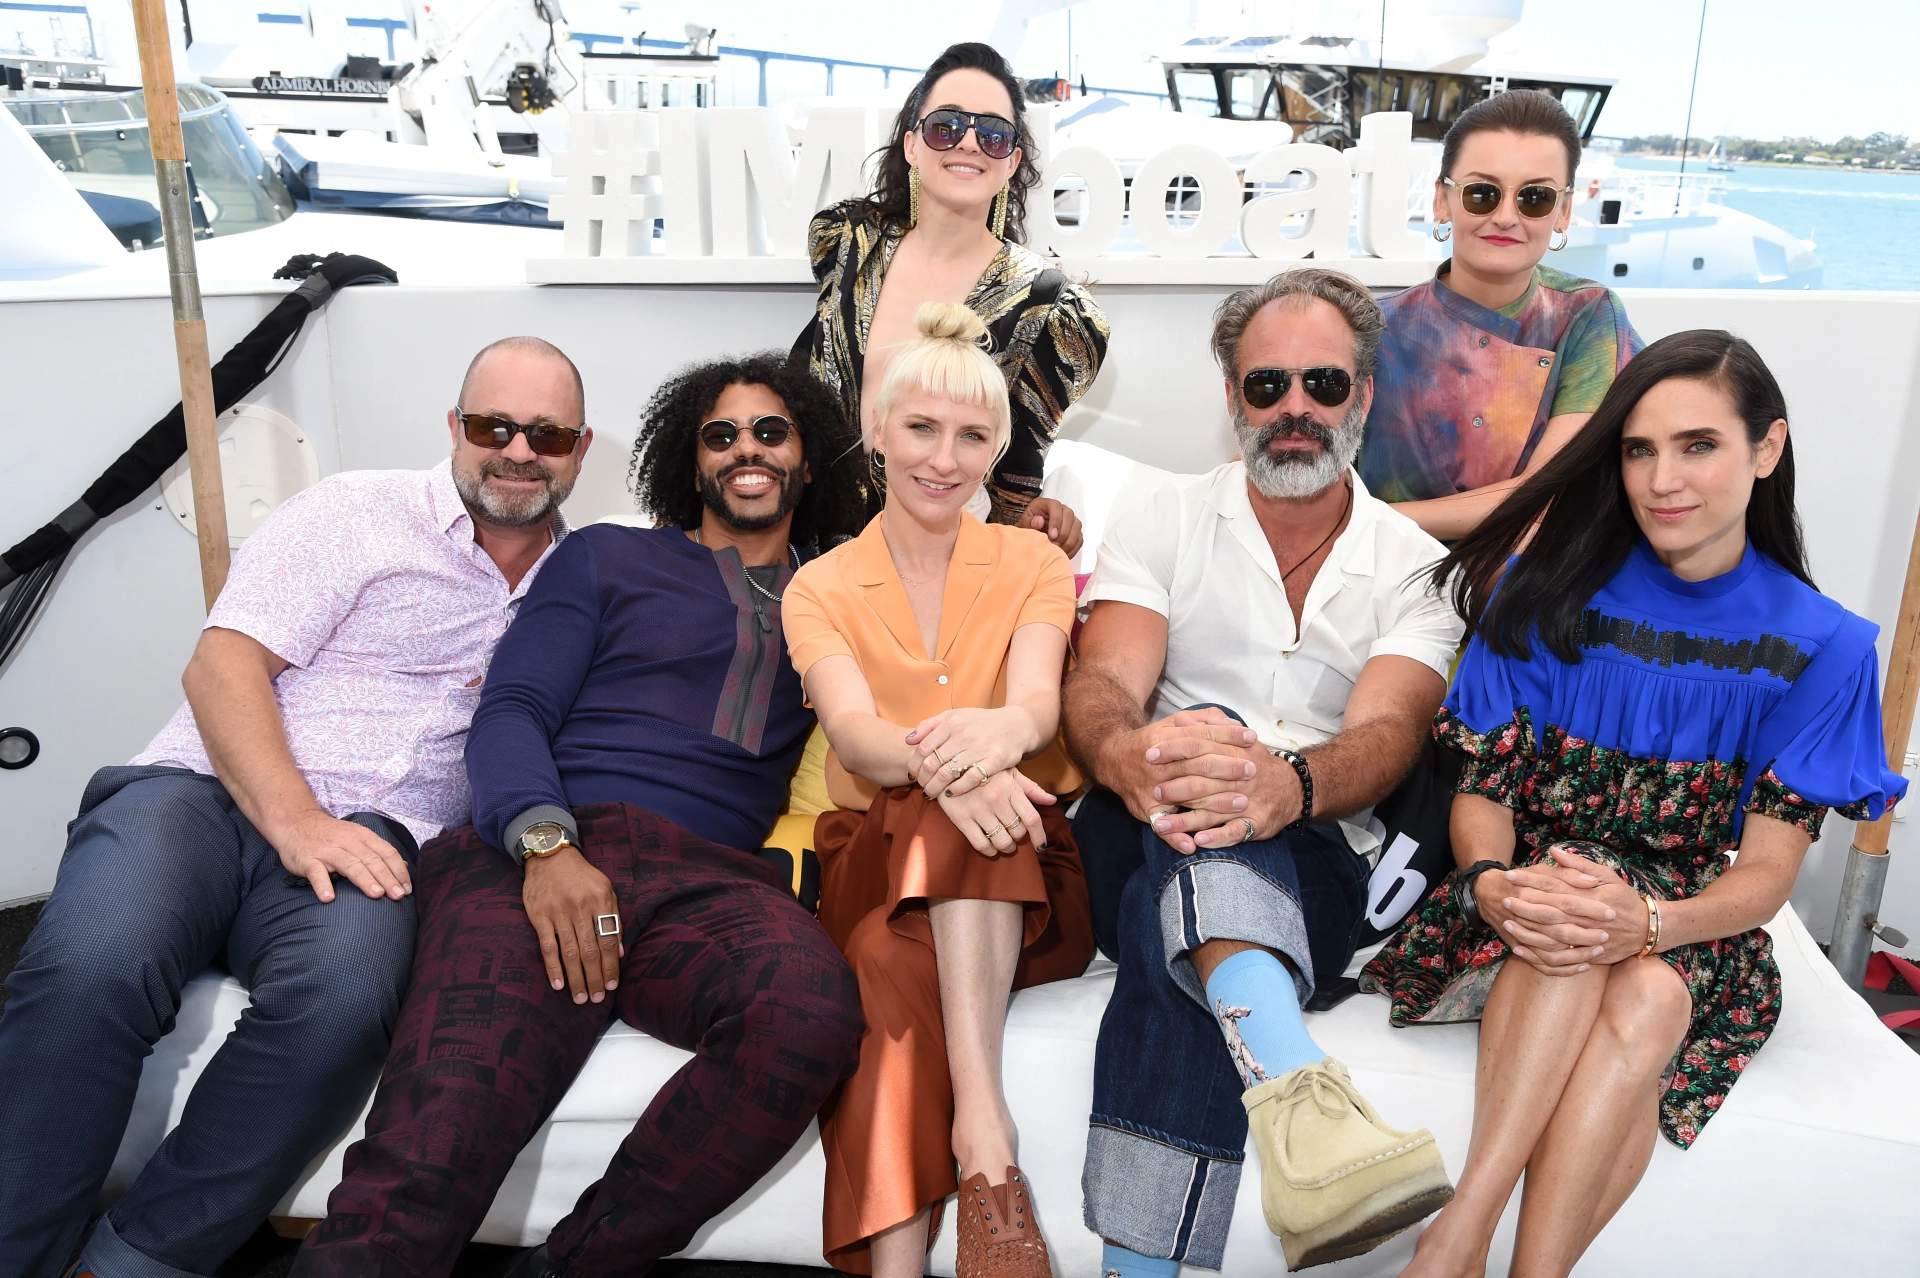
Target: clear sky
{"points": [[1768, 68]]}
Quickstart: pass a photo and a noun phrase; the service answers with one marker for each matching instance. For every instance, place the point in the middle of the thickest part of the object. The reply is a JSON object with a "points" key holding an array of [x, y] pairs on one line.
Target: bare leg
{"points": [[1531, 1035], [976, 945], [1211, 954], [901, 1251], [1596, 1148]]}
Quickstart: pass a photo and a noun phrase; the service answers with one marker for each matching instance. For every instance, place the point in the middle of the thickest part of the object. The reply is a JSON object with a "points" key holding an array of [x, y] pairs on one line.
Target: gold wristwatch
{"points": [[542, 839]]}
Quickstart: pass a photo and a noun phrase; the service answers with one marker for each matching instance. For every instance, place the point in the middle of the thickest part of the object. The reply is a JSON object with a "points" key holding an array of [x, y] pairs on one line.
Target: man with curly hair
{"points": [[632, 746]]}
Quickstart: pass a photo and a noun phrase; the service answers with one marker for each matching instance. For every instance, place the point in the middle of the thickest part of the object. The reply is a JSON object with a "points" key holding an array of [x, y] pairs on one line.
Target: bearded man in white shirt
{"points": [[1260, 664]]}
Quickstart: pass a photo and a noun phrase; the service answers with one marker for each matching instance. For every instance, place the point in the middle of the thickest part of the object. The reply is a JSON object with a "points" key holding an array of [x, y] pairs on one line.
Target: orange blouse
{"points": [[850, 600]]}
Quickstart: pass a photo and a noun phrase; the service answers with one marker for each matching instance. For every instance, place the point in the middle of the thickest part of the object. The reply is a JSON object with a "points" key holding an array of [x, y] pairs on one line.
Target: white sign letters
{"points": [[733, 186]]}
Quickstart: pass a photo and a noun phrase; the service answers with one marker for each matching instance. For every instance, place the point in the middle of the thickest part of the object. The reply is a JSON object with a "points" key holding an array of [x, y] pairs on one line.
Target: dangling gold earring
{"points": [[877, 467], [913, 196], [1552, 247], [1443, 226], [1000, 213]]}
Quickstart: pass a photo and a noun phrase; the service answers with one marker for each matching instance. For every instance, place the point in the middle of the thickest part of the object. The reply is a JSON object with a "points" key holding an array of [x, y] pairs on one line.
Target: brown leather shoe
{"points": [[998, 1235]]}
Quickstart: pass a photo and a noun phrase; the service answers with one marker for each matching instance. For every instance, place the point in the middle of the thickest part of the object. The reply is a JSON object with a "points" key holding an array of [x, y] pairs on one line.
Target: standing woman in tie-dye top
{"points": [[1487, 369]]}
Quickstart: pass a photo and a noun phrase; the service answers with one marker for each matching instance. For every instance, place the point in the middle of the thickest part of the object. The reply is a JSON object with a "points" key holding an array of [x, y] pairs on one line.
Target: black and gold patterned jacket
{"points": [[1048, 336]]}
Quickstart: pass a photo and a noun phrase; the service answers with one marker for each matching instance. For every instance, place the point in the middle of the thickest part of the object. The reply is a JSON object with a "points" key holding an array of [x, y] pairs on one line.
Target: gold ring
{"points": [[984, 778], [935, 756], [956, 769], [998, 829]]}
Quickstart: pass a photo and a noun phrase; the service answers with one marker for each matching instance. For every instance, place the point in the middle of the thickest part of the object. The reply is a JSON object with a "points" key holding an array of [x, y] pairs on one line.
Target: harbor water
{"points": [[1866, 224]]}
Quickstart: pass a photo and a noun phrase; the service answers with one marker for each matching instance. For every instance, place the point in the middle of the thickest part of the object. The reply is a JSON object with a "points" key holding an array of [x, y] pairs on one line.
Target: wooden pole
{"points": [[1857, 916], [1903, 687], [189, 325]]}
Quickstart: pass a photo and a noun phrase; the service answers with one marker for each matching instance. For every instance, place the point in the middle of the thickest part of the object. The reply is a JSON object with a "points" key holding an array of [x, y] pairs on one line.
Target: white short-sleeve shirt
{"points": [[1190, 548]]}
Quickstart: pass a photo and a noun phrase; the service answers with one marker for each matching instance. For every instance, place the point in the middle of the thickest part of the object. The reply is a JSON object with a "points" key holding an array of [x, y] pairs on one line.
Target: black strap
{"points": [[241, 369]]}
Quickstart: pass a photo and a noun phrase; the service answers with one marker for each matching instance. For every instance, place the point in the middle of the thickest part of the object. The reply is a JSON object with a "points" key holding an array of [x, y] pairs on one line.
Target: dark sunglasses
{"points": [[771, 430], [543, 438], [944, 129], [1536, 200], [1265, 387]]}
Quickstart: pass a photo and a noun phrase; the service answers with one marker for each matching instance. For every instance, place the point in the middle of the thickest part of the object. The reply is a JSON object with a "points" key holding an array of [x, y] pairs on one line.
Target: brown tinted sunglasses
{"points": [[544, 438]]}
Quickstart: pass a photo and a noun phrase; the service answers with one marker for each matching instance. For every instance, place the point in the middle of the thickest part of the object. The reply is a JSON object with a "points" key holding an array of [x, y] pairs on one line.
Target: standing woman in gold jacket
{"points": [[944, 224]]}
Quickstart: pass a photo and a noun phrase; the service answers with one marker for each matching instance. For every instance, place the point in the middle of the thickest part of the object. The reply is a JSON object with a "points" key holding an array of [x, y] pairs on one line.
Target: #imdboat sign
{"points": [[731, 195]]}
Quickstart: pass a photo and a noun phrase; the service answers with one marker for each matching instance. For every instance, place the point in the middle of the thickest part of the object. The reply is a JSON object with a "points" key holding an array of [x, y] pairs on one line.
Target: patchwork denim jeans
{"points": [[1168, 1131]]}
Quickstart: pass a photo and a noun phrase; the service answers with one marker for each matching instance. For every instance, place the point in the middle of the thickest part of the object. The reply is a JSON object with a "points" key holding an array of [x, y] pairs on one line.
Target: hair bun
{"points": [[949, 322]]}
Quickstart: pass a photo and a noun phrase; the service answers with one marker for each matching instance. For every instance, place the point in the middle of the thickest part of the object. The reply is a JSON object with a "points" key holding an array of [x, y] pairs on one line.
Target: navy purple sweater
{"points": [[642, 669]]}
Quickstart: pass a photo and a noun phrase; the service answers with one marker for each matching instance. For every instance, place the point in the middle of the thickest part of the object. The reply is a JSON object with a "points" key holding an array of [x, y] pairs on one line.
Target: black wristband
{"points": [[1299, 764], [1463, 893]]}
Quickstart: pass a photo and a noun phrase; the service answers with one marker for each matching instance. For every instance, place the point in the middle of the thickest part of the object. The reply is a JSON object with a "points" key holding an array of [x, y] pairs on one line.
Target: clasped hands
{"points": [[1199, 777], [1564, 916], [967, 760]]}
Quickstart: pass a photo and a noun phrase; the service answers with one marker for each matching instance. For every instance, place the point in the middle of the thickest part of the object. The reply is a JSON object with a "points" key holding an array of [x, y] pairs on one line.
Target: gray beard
{"points": [[504, 511], [1294, 475]]}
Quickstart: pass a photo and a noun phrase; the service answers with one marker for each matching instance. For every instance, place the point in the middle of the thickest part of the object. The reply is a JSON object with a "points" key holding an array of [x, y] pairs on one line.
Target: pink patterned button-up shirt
{"points": [[371, 587]]}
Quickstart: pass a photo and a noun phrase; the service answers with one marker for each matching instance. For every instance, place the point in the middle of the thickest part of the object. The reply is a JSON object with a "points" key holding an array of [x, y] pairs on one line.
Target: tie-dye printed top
{"points": [[1464, 393]]}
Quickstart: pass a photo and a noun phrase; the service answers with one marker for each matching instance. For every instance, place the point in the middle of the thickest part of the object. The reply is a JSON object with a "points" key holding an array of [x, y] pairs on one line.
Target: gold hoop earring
{"points": [[1443, 226], [877, 467], [1555, 248], [1000, 212], [913, 196]]}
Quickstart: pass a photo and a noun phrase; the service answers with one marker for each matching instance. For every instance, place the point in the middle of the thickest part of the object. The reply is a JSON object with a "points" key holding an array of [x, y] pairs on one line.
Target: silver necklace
{"points": [[793, 555]]}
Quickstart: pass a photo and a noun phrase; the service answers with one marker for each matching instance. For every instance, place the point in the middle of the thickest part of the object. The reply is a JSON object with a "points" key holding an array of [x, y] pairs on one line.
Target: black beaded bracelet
{"points": [[1299, 762]]}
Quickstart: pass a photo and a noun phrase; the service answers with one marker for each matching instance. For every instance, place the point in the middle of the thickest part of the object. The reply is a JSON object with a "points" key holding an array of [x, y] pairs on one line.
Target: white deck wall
{"points": [[372, 377]]}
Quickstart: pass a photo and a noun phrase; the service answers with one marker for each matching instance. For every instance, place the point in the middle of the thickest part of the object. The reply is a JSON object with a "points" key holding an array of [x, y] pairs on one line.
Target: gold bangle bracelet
{"points": [[1653, 926]]}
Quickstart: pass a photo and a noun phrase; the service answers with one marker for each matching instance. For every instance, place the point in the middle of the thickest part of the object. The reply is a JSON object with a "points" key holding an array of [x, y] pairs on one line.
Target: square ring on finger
{"points": [[606, 924]]}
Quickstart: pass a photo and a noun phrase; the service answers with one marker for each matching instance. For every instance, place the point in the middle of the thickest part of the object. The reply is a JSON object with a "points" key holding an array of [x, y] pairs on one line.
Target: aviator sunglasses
{"points": [[944, 129], [1265, 387], [544, 438], [771, 430], [1535, 200]]}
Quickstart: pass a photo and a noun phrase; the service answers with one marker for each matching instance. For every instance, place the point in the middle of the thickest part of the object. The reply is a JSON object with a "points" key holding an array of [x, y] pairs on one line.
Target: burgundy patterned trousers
{"points": [[720, 961]]}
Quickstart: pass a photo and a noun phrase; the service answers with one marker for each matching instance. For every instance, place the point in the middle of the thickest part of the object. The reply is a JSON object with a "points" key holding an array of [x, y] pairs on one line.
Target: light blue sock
{"points": [[1117, 1262], [1253, 997]]}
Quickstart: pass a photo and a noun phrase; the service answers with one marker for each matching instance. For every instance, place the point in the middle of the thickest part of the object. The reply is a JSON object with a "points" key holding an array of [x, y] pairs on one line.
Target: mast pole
{"points": [[189, 324], [1856, 919], [1686, 134]]}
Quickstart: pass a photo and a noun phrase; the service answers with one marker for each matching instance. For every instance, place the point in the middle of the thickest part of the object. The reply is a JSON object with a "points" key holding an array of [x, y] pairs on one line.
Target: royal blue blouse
{"points": [[1753, 670]]}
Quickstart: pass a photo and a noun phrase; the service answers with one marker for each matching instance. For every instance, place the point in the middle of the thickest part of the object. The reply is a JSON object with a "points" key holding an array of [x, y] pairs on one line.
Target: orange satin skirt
{"points": [[888, 1134]]}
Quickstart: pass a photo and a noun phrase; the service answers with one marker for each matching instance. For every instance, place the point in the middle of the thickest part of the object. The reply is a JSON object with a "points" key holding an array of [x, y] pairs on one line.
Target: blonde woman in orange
{"points": [[932, 647]]}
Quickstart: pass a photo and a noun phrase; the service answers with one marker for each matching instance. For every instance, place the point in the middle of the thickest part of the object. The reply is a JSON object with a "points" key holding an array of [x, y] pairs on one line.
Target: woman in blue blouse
{"points": [[1655, 682]]}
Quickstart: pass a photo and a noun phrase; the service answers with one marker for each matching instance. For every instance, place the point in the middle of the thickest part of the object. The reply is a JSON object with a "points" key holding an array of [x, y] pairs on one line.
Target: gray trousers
{"points": [[162, 878]]}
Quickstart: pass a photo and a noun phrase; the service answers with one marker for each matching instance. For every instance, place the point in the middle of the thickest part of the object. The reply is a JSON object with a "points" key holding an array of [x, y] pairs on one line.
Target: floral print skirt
{"points": [[1438, 970]]}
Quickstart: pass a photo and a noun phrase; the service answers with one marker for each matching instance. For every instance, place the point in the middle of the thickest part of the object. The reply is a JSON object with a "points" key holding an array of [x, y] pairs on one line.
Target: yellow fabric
{"points": [[807, 795], [850, 601], [794, 832]]}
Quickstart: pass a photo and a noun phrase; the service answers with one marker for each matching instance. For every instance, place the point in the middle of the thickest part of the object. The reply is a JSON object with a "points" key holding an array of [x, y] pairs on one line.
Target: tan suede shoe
{"points": [[1334, 1179], [997, 1235]]}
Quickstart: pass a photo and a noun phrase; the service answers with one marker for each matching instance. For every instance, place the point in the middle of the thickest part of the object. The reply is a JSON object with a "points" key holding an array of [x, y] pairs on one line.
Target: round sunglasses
{"points": [[547, 440], [944, 129], [771, 430], [1265, 387], [1535, 200]]}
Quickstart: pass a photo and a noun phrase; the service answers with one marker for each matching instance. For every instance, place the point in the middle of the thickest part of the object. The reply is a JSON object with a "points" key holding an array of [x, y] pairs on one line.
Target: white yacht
{"points": [[1240, 93]]}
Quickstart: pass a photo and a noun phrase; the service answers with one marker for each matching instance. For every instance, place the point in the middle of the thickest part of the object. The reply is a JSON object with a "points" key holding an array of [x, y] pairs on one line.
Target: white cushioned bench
{"points": [[1810, 1167]]}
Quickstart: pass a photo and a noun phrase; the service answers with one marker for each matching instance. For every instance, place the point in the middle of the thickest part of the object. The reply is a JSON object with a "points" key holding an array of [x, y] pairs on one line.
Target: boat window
{"points": [[95, 110], [1251, 95], [1194, 90], [1453, 92], [235, 189], [1424, 94], [1580, 104]]}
